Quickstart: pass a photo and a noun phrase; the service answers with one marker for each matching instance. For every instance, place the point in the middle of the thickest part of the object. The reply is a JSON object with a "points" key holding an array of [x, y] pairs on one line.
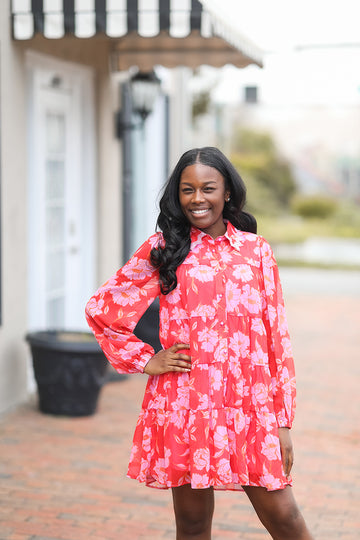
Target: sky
{"points": [[276, 25], [311, 51]]}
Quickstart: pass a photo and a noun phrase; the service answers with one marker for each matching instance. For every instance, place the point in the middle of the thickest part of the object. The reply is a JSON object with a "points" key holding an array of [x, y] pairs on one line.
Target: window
{"points": [[251, 94]]}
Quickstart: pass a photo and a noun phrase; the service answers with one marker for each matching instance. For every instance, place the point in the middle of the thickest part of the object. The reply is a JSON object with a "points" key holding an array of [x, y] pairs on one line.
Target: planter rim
{"points": [[64, 340]]}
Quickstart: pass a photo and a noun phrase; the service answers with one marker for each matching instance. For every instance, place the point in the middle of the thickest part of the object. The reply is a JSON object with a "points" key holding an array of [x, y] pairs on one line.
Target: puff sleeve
{"points": [[114, 310], [279, 347]]}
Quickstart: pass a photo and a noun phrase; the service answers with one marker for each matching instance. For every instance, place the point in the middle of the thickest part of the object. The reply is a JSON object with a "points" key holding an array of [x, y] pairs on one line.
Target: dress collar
{"points": [[232, 234]]}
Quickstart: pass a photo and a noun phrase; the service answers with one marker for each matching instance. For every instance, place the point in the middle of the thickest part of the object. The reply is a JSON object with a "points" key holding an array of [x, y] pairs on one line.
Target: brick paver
{"points": [[64, 478]]}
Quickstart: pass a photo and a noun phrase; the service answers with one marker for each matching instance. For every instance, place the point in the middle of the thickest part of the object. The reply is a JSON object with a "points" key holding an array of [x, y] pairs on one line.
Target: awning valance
{"points": [[143, 32]]}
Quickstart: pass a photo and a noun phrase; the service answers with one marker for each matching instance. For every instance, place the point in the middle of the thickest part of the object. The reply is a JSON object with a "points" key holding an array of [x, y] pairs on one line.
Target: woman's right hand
{"points": [[169, 360]]}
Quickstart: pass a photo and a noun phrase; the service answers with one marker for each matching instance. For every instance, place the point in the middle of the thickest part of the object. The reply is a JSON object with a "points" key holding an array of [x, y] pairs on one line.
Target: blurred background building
{"points": [[308, 101], [100, 97], [82, 159]]}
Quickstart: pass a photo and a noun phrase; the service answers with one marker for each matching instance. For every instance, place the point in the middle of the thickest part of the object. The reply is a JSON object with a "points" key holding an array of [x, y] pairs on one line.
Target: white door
{"points": [[61, 195], [149, 160]]}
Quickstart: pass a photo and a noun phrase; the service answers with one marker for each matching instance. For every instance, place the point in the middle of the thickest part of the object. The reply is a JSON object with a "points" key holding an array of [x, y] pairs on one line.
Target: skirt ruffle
{"points": [[224, 448]]}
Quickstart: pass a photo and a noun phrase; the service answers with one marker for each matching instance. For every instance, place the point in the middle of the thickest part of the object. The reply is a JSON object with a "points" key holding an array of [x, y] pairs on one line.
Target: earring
{"points": [[227, 200]]}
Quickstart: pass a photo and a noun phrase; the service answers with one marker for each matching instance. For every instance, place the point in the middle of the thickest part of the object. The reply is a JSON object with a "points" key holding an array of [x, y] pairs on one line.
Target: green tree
{"points": [[200, 104], [267, 175]]}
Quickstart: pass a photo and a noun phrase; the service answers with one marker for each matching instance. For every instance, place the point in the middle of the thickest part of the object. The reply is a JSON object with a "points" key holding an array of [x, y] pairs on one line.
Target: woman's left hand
{"points": [[286, 448]]}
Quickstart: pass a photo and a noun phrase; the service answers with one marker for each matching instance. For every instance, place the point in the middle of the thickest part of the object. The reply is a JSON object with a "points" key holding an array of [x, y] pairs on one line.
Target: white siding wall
{"points": [[109, 185], [180, 114], [14, 218], [14, 353]]}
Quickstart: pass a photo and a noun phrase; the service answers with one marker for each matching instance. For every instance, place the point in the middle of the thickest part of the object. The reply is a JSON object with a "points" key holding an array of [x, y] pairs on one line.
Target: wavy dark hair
{"points": [[175, 226]]}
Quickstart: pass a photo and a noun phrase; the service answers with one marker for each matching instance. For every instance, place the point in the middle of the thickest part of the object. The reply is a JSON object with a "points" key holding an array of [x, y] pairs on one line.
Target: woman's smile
{"points": [[200, 212]]}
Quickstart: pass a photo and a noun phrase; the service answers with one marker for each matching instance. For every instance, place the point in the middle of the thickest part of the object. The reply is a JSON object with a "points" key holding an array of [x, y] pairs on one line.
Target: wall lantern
{"points": [[144, 89]]}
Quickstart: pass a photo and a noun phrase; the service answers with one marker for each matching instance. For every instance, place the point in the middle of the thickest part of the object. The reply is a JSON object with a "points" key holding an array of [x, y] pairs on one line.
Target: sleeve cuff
{"points": [[282, 421], [143, 361]]}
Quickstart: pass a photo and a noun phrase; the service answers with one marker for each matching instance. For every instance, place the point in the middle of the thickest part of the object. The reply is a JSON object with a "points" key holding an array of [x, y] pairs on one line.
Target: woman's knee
{"points": [[287, 521], [278, 512], [192, 526], [193, 510]]}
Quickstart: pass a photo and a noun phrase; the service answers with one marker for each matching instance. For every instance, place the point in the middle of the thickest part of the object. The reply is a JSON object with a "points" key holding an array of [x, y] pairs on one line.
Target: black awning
{"points": [[144, 32]]}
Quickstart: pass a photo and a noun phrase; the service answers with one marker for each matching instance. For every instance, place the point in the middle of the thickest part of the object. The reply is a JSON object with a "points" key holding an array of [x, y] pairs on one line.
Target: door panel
{"points": [[57, 215], [56, 120]]}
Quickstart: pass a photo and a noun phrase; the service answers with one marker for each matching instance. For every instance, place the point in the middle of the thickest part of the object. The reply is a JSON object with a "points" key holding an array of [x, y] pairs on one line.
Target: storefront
{"points": [[63, 68]]}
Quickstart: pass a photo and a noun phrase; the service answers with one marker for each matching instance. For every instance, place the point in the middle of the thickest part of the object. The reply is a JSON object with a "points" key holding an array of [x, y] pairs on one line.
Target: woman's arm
{"points": [[279, 348], [114, 310]]}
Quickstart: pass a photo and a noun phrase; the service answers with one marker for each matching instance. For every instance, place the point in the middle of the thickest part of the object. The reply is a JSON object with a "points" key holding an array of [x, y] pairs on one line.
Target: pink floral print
{"points": [[217, 425]]}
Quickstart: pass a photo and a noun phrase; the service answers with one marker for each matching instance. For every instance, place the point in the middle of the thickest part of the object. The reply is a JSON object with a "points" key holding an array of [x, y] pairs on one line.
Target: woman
{"points": [[221, 393]]}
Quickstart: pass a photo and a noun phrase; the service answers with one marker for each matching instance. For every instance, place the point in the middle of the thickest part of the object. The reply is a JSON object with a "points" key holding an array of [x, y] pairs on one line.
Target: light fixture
{"points": [[144, 90]]}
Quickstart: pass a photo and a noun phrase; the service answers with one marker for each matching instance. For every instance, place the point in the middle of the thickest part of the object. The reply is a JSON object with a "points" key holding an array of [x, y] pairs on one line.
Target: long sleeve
{"points": [[114, 310], [279, 348]]}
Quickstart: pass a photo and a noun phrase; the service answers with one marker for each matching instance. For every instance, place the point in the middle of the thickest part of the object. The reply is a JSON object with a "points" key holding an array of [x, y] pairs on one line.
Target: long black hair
{"points": [[175, 226]]}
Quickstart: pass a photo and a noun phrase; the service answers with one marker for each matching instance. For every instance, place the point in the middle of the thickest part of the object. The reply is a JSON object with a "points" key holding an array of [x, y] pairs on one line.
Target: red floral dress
{"points": [[217, 425]]}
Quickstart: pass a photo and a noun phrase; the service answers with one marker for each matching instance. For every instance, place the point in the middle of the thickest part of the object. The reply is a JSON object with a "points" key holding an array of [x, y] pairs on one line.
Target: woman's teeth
{"points": [[199, 211]]}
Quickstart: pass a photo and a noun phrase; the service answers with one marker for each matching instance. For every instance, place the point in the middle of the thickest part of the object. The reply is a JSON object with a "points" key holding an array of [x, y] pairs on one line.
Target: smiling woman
{"points": [[220, 396]]}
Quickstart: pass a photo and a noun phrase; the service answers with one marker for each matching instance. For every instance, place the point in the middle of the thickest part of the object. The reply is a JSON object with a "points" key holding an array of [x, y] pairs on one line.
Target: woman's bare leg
{"points": [[279, 513], [194, 510]]}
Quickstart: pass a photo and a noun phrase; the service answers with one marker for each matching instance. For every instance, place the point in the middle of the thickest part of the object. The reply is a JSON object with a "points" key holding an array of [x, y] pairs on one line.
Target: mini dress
{"points": [[218, 424]]}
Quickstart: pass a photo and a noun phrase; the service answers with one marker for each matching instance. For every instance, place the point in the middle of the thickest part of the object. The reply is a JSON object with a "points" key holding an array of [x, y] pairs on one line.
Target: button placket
{"points": [[222, 321]]}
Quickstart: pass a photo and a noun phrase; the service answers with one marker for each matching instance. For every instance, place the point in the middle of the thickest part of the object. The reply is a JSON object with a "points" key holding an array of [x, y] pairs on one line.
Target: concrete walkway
{"points": [[64, 478]]}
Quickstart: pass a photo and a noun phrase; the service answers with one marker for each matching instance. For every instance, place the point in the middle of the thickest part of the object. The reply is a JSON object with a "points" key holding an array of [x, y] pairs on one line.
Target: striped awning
{"points": [[143, 32]]}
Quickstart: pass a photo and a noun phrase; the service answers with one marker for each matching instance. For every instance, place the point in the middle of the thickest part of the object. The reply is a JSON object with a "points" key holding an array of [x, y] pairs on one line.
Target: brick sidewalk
{"points": [[64, 478]]}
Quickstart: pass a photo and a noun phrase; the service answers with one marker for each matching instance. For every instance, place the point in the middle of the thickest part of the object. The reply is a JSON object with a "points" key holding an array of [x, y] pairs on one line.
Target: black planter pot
{"points": [[69, 369]]}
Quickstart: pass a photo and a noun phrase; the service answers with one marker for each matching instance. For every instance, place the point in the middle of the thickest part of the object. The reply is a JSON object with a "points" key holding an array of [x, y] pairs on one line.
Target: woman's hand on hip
{"points": [[286, 447], [169, 360]]}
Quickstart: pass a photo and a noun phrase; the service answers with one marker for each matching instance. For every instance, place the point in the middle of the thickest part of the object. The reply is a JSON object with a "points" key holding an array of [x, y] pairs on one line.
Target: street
{"points": [[65, 478]]}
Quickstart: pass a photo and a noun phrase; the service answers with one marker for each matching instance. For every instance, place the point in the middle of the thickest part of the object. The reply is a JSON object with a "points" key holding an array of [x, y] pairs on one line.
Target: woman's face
{"points": [[202, 196]]}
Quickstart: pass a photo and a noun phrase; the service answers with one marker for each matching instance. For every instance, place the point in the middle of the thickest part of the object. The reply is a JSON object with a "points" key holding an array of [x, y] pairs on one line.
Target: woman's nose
{"points": [[198, 196]]}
